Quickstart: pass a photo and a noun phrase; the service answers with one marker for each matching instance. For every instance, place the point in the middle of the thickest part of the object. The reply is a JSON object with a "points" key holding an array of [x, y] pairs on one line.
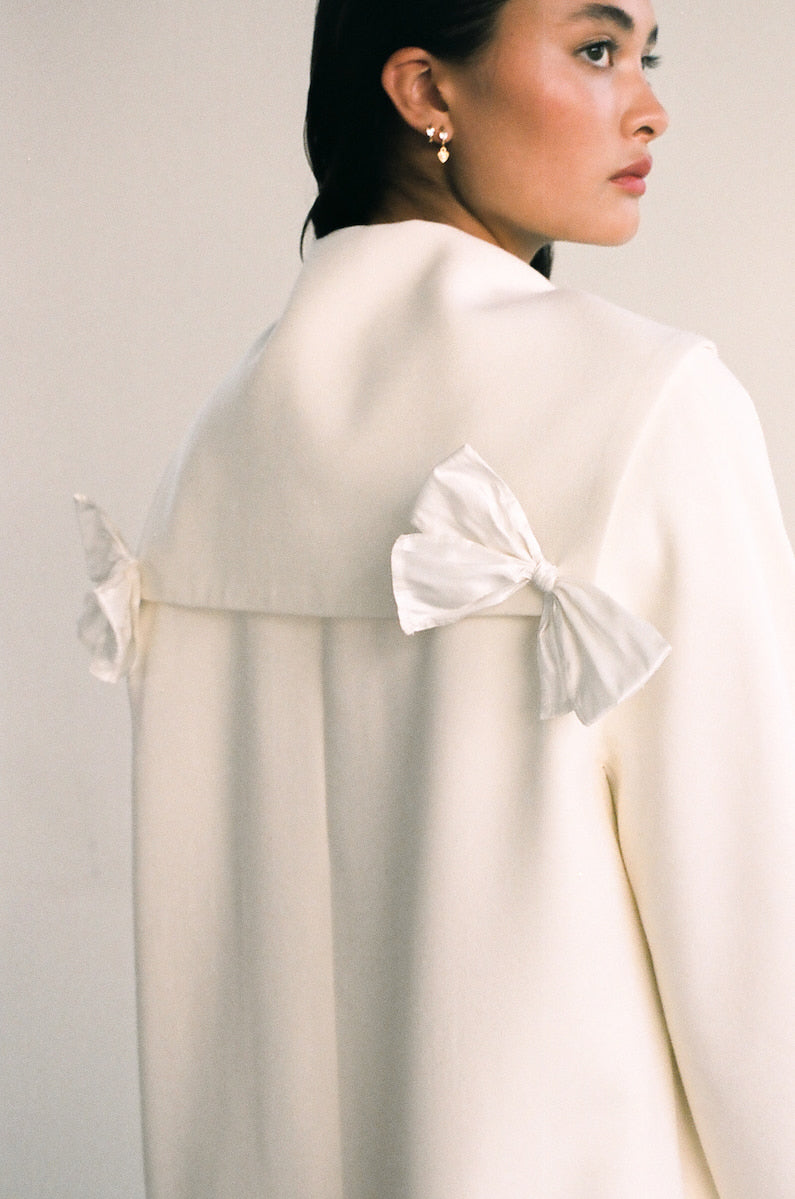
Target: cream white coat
{"points": [[397, 937]]}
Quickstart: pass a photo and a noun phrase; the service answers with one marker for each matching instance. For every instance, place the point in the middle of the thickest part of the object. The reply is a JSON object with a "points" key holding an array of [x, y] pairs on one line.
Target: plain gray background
{"points": [[154, 193]]}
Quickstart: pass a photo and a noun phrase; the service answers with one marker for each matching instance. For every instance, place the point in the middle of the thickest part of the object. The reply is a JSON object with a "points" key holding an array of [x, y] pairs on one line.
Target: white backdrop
{"points": [[154, 194]]}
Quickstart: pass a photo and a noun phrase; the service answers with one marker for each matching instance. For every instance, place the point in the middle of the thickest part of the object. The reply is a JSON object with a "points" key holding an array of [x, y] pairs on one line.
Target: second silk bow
{"points": [[474, 548]]}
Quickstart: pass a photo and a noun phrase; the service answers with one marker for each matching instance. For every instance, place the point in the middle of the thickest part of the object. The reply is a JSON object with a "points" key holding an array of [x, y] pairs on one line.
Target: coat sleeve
{"points": [[702, 765]]}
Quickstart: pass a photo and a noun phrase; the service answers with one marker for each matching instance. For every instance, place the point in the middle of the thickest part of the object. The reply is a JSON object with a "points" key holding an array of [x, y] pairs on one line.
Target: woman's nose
{"points": [[646, 118]]}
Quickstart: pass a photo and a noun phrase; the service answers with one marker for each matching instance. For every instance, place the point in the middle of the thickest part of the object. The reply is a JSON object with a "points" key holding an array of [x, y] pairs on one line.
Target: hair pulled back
{"points": [[350, 120]]}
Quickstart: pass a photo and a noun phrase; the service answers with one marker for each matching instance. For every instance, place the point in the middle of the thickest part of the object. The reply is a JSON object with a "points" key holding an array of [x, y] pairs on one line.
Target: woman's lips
{"points": [[633, 178]]}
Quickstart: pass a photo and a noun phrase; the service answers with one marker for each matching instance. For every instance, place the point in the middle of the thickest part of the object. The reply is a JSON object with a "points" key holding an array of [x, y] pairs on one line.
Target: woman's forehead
{"points": [[629, 15]]}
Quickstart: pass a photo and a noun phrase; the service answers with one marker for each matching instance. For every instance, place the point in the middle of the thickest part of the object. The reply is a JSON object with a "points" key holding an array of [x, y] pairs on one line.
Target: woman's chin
{"points": [[618, 235], [611, 229]]}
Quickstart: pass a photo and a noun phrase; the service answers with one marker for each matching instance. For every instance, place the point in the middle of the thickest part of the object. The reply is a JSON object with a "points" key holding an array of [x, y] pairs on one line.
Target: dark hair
{"points": [[350, 120]]}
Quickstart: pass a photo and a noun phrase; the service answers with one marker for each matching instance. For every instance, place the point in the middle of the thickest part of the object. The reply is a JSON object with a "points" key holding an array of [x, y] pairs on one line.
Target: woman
{"points": [[504, 908]]}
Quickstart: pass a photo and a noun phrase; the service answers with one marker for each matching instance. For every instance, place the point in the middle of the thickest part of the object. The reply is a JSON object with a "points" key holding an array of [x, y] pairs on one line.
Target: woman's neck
{"points": [[419, 187]]}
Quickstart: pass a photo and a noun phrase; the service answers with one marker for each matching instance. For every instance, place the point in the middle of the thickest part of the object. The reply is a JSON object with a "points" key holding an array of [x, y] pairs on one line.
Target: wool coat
{"points": [[398, 936]]}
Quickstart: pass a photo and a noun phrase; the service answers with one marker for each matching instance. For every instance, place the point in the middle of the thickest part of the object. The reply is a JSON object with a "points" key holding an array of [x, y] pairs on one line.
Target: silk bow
{"points": [[109, 623], [474, 548]]}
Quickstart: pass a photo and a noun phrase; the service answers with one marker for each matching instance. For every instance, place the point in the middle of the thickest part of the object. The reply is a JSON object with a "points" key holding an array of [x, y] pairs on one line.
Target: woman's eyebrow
{"points": [[610, 12]]}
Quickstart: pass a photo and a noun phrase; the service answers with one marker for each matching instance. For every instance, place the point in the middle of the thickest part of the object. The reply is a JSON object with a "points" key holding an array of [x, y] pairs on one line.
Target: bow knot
{"points": [[474, 548], [544, 576]]}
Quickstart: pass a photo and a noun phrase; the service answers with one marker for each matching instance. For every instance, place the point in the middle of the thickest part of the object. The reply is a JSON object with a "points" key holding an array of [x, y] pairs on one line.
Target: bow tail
{"points": [[592, 653]]}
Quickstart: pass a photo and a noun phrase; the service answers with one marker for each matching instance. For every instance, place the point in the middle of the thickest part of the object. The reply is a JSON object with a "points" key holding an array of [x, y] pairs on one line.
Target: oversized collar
{"points": [[399, 344]]}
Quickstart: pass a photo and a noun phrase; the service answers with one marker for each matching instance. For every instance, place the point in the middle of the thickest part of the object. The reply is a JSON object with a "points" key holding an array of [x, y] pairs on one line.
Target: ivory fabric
{"points": [[398, 937]]}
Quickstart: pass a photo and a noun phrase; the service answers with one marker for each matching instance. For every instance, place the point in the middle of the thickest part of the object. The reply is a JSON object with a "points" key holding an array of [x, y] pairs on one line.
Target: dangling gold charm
{"points": [[443, 153]]}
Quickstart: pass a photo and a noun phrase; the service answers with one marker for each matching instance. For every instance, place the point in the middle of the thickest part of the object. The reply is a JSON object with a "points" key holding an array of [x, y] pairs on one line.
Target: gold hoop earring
{"points": [[442, 153]]}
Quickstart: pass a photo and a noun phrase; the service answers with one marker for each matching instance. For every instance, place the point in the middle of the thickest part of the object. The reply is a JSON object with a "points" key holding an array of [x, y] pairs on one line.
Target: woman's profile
{"points": [[461, 650]]}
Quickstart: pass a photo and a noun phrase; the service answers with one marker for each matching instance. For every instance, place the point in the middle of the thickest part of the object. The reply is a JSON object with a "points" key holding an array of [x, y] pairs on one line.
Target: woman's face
{"points": [[551, 123]]}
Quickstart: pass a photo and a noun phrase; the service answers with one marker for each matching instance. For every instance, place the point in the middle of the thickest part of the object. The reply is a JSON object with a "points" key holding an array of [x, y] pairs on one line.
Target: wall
{"points": [[157, 189]]}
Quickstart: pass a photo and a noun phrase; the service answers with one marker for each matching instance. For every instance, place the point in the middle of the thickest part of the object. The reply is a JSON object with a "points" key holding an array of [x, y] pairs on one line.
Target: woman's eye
{"points": [[650, 61], [600, 54]]}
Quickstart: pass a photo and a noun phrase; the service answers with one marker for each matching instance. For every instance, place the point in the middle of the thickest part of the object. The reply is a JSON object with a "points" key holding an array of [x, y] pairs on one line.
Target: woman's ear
{"points": [[408, 78]]}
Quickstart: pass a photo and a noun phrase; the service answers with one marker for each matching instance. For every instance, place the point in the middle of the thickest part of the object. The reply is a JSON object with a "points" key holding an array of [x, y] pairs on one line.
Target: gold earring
{"points": [[443, 153], [429, 132]]}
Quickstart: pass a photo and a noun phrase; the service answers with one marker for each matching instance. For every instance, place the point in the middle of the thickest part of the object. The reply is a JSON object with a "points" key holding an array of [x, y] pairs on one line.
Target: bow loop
{"points": [[108, 626], [475, 548]]}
